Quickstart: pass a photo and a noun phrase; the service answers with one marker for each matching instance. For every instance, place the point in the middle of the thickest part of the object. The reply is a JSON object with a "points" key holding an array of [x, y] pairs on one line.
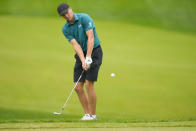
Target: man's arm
{"points": [[90, 42], [88, 25], [79, 52]]}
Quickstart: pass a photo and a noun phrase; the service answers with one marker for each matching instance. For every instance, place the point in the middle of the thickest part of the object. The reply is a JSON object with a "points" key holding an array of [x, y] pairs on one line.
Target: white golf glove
{"points": [[88, 61]]}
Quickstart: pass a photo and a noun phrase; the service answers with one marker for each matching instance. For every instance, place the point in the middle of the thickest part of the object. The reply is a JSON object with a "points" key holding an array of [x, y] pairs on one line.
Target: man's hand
{"points": [[88, 62], [84, 67]]}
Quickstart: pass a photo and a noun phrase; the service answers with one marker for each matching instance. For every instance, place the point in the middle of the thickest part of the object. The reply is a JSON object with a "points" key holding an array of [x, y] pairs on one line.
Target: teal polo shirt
{"points": [[77, 30]]}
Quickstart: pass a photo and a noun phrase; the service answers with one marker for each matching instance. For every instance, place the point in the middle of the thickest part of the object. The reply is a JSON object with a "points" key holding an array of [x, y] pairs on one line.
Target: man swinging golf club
{"points": [[80, 32]]}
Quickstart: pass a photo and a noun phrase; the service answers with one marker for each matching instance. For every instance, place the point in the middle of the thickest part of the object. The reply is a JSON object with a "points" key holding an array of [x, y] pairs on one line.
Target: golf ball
{"points": [[56, 113], [112, 75]]}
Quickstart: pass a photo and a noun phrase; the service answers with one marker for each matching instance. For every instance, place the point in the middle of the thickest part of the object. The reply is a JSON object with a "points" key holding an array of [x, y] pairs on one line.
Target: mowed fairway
{"points": [[112, 129], [155, 73]]}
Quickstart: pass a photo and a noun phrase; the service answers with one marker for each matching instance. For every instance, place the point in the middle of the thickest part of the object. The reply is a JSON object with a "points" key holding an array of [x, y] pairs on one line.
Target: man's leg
{"points": [[82, 97], [92, 98]]}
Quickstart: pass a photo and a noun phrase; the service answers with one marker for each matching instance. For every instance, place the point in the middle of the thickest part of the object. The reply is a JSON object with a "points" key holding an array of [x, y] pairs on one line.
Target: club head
{"points": [[56, 113]]}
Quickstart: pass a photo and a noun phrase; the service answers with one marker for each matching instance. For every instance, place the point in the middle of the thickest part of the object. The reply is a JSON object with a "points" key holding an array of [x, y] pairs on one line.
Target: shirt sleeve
{"points": [[87, 22], [67, 35]]}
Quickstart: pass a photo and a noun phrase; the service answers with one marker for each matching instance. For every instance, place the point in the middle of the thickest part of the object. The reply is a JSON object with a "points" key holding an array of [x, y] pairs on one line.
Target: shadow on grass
{"points": [[17, 115], [25, 116]]}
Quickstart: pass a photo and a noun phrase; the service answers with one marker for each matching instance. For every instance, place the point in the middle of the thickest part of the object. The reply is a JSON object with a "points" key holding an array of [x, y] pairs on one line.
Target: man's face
{"points": [[69, 15]]}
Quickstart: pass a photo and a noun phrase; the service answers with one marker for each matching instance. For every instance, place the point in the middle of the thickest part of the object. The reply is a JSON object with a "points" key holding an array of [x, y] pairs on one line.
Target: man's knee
{"points": [[89, 84], [79, 87]]}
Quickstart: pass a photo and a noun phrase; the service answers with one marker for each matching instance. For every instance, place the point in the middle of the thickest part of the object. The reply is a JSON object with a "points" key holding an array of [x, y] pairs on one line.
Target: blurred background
{"points": [[167, 14], [149, 44]]}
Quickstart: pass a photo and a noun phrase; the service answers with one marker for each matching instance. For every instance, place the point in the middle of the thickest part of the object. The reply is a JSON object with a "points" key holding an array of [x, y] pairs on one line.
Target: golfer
{"points": [[80, 32]]}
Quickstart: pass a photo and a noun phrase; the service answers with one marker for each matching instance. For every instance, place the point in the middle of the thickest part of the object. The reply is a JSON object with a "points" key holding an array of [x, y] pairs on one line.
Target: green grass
{"points": [[112, 129], [166, 14], [155, 73], [148, 44], [85, 125]]}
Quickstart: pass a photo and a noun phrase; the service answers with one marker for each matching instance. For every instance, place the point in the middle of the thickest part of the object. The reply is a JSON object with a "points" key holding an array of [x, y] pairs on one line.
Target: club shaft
{"points": [[71, 92]]}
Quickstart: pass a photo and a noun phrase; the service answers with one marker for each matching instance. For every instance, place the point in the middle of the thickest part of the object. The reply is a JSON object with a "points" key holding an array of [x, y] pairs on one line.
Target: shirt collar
{"points": [[75, 19]]}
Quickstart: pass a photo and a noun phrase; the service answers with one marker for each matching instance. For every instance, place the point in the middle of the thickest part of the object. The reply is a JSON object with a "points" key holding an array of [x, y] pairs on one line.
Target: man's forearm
{"points": [[79, 52], [90, 45]]}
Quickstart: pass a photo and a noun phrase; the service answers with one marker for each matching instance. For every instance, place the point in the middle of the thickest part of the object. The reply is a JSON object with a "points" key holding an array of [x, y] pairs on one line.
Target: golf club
{"points": [[58, 113]]}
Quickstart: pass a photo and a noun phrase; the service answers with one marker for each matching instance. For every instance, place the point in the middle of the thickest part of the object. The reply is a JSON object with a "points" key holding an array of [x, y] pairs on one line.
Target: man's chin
{"points": [[68, 19]]}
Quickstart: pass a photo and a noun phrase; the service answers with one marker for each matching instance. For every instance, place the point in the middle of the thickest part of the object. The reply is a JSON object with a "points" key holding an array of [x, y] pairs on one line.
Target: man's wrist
{"points": [[88, 57], [83, 60]]}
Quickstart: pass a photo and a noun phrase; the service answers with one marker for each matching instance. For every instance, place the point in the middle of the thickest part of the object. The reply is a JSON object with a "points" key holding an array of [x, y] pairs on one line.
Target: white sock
{"points": [[94, 116]]}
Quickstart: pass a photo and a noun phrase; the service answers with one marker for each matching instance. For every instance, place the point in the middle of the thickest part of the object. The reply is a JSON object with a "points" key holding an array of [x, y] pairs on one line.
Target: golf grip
{"points": [[72, 91]]}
